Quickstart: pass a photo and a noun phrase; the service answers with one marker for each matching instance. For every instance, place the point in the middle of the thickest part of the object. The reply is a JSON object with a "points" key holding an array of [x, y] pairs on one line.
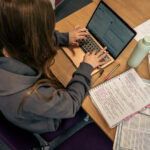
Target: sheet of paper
{"points": [[142, 30], [133, 134], [120, 97], [147, 110], [149, 62]]}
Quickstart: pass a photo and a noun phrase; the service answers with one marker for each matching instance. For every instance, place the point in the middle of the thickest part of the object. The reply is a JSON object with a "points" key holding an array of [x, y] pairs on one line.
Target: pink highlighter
{"points": [[127, 118], [111, 72]]}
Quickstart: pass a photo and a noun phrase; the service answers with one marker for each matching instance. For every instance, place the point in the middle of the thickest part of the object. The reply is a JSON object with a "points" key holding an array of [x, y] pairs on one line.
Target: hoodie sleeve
{"points": [[61, 39], [64, 104]]}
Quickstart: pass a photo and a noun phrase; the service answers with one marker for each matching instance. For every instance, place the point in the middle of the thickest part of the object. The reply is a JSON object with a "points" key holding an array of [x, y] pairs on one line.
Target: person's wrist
{"points": [[88, 64]]}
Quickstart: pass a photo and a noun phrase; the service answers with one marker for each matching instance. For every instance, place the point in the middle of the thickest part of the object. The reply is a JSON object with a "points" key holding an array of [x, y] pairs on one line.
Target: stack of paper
{"points": [[120, 97], [149, 62], [134, 134]]}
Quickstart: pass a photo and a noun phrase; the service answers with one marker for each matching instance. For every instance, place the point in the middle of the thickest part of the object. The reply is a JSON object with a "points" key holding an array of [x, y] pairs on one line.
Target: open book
{"points": [[120, 97]]}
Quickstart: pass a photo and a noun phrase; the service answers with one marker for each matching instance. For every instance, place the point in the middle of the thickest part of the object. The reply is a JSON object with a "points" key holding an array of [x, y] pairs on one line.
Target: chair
{"points": [[67, 7], [85, 139]]}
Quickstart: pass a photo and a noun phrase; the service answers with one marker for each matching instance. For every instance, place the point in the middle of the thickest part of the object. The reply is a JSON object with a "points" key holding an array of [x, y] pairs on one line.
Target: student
{"points": [[30, 95]]}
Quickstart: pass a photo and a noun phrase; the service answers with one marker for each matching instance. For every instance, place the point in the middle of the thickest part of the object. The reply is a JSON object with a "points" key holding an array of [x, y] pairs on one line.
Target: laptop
{"points": [[106, 28]]}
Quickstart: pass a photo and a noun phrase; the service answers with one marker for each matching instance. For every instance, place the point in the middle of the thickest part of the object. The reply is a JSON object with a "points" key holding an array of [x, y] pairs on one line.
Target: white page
{"points": [[120, 97], [116, 145], [134, 134], [142, 30], [149, 62], [147, 111], [125, 129]]}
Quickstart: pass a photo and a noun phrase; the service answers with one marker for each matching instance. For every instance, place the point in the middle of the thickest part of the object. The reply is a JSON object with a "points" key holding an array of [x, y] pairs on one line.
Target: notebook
{"points": [[106, 29], [120, 97]]}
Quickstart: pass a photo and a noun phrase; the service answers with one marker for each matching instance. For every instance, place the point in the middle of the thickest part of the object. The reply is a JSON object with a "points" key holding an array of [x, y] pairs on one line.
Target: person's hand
{"points": [[94, 59], [77, 34]]}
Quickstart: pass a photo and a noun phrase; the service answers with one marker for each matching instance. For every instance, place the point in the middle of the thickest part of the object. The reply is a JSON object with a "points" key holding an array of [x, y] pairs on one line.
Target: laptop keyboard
{"points": [[90, 45]]}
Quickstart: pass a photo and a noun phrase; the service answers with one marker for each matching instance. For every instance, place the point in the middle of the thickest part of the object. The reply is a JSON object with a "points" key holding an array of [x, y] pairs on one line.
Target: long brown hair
{"points": [[26, 32]]}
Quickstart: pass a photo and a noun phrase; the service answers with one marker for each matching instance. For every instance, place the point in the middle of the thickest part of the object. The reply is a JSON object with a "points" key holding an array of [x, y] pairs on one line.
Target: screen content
{"points": [[110, 30]]}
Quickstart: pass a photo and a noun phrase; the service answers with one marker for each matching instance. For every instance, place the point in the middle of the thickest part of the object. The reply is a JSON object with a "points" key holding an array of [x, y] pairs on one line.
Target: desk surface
{"points": [[134, 13]]}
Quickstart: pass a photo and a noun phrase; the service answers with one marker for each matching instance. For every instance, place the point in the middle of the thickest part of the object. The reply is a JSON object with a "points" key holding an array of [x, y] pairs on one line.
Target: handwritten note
{"points": [[120, 97]]}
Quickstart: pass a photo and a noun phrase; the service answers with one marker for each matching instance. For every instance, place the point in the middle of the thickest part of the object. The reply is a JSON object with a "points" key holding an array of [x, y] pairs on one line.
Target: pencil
{"points": [[111, 72]]}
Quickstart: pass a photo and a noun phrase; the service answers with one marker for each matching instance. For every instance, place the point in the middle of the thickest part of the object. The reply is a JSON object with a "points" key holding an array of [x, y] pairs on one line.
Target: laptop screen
{"points": [[110, 30]]}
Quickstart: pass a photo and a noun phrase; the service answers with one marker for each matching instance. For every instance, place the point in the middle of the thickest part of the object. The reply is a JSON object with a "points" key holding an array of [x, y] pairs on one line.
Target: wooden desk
{"points": [[134, 13]]}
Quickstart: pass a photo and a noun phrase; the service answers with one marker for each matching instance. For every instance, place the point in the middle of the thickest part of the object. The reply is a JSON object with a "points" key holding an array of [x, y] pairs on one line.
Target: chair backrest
{"points": [[91, 136], [15, 137], [58, 2], [19, 139]]}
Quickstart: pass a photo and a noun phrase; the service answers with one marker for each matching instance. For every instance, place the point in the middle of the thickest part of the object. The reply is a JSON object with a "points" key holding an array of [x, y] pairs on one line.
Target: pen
{"points": [[100, 74], [111, 72]]}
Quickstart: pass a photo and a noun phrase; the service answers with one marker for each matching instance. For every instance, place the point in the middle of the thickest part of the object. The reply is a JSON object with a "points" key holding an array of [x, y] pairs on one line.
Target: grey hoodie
{"points": [[40, 115]]}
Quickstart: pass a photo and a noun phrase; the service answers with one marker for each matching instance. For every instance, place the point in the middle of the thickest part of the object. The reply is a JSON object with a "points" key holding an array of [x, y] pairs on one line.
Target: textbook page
{"points": [[133, 134], [147, 110], [120, 97]]}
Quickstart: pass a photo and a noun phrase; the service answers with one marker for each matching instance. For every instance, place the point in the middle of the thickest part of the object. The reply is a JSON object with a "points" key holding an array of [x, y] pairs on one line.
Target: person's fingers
{"points": [[94, 52], [75, 43], [82, 34], [100, 52], [103, 55], [81, 37], [83, 29], [105, 48], [77, 27], [87, 54], [103, 62]]}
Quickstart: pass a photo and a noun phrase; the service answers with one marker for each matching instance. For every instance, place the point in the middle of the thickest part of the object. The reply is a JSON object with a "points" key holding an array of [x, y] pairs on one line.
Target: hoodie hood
{"points": [[15, 76]]}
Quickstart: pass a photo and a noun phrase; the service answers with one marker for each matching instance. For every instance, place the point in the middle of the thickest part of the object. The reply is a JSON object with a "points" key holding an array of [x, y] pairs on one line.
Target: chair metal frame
{"points": [[44, 145]]}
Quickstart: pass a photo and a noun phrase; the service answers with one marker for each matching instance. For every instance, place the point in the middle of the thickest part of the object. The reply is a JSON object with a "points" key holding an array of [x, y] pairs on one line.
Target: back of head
{"points": [[26, 31]]}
